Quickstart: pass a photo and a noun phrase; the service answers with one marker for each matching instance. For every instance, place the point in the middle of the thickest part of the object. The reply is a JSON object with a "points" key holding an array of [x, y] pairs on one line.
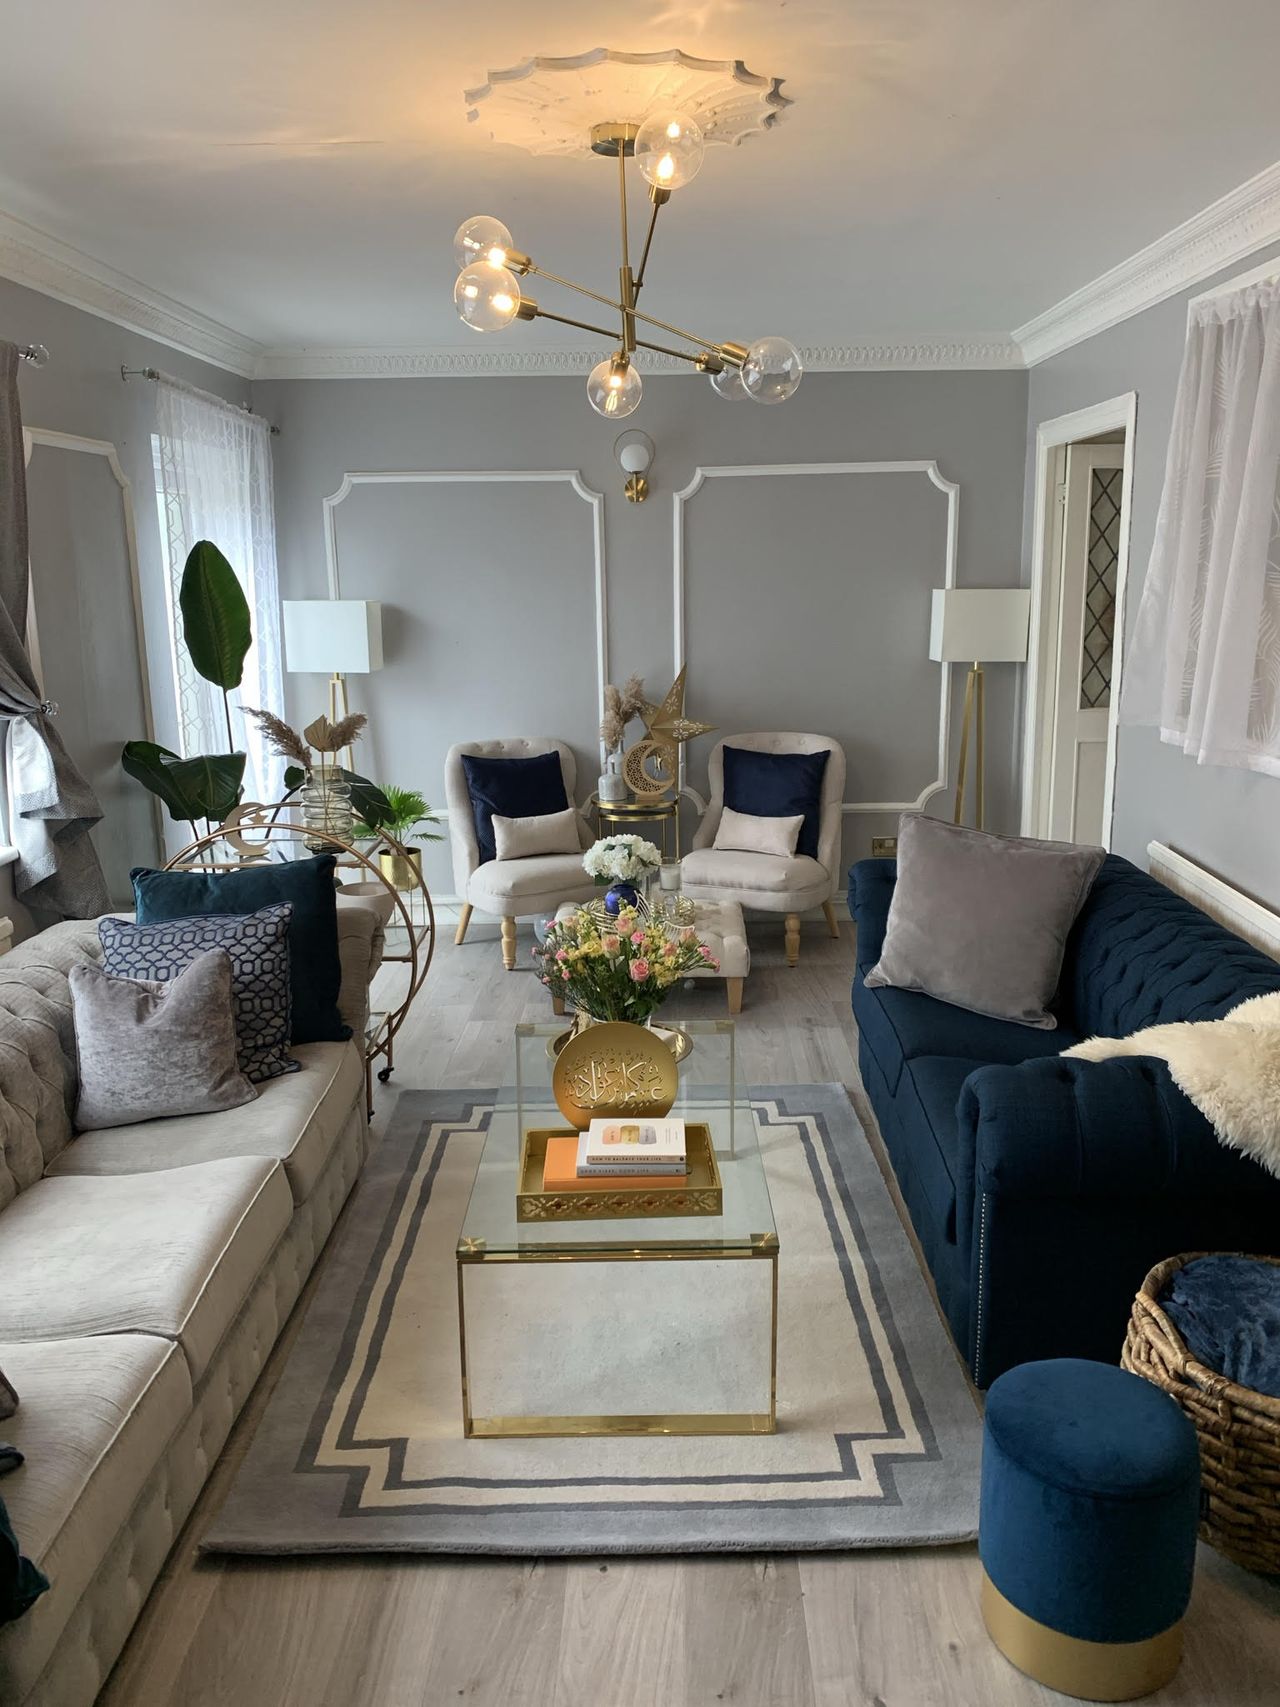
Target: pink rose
{"points": [[565, 974], [562, 954], [668, 949], [637, 938], [704, 951], [639, 971], [611, 944], [687, 933]]}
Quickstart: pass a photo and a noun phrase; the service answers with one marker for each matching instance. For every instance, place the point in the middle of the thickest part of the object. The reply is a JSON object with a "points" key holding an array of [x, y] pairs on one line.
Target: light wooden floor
{"points": [[875, 1629]]}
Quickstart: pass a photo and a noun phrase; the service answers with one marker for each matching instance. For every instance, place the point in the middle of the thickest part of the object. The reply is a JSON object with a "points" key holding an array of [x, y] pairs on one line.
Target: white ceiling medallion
{"points": [[548, 105], [659, 111]]}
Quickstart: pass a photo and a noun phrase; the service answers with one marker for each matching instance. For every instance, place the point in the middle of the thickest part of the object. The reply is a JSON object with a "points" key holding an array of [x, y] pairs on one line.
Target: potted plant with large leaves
{"points": [[218, 633]]}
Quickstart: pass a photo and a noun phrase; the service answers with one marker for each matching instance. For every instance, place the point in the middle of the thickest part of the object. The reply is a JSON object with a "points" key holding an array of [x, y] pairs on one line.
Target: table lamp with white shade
{"points": [[335, 638], [977, 626]]}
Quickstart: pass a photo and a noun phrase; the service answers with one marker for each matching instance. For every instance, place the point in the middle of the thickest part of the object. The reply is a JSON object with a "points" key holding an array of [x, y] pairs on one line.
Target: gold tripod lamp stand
{"points": [[977, 626]]}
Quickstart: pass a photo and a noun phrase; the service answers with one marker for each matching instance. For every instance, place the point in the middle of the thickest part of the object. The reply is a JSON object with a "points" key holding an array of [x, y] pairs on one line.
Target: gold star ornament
{"points": [[650, 767]]}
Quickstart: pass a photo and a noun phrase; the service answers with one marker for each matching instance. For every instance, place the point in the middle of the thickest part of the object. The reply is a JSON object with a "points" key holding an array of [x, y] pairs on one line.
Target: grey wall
{"points": [[1228, 820], [807, 598], [82, 598]]}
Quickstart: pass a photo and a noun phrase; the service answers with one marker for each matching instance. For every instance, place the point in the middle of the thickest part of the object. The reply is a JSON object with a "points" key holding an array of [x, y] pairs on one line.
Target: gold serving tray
{"points": [[701, 1194]]}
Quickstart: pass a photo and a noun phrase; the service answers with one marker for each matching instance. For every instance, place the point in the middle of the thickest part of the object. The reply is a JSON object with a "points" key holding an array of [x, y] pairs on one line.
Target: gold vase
{"points": [[402, 869]]}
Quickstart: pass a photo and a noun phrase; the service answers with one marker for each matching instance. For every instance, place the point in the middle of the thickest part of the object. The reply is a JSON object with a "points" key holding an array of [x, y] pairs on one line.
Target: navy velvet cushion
{"points": [[777, 785], [1227, 1309], [306, 885], [513, 788], [1090, 1500], [21, 1584]]}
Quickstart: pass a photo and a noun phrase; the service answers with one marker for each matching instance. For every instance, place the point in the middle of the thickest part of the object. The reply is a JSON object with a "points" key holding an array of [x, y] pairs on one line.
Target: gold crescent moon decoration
{"points": [[650, 767]]}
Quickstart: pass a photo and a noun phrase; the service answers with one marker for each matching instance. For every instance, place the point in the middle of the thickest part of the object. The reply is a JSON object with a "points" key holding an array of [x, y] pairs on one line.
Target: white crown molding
{"points": [[509, 360], [33, 258], [1237, 224]]}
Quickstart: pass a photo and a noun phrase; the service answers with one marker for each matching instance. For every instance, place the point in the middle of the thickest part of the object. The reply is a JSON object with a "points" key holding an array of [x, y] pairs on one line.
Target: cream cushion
{"points": [[547, 833], [173, 1254], [545, 880], [96, 1417], [295, 1120], [744, 832], [757, 873]]}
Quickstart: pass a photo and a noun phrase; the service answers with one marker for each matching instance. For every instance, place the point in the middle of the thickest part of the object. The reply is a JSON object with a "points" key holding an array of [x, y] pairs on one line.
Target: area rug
{"points": [[361, 1449]]}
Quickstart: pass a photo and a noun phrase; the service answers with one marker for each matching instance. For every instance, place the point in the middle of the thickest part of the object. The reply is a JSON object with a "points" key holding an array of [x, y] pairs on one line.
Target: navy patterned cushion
{"points": [[258, 945]]}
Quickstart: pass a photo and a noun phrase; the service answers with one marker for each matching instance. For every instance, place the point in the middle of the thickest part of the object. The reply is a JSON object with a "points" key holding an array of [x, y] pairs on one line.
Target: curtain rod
{"points": [[155, 373]]}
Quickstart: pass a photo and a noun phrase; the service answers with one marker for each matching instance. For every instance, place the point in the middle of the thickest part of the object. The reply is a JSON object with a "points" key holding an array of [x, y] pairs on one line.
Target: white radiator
{"points": [[1239, 912]]}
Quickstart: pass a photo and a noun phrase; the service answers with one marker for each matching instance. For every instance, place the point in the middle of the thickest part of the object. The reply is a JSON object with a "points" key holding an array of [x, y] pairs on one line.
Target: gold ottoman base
{"points": [[1092, 1671]]}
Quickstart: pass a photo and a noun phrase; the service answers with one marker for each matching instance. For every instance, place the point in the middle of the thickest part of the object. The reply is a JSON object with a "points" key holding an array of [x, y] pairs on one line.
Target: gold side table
{"points": [[621, 817]]}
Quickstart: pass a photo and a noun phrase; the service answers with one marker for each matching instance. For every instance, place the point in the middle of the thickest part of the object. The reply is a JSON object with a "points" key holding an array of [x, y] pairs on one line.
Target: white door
{"points": [[1092, 500]]}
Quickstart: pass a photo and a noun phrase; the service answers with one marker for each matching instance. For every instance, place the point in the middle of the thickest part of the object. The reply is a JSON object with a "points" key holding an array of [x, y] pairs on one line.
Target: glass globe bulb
{"points": [[482, 238], [613, 391], [772, 371], [728, 384], [669, 149], [487, 297]]}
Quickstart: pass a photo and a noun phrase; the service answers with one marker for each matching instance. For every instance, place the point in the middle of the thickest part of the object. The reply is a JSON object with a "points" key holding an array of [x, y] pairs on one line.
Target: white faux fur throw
{"points": [[1230, 1068]]}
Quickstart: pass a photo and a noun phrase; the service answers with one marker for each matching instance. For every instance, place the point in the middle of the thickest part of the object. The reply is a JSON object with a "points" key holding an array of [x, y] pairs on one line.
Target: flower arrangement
{"points": [[621, 859], [620, 970]]}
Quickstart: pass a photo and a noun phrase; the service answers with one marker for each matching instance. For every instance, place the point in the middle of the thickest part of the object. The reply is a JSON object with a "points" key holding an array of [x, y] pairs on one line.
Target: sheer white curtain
{"points": [[213, 479], [1204, 663]]}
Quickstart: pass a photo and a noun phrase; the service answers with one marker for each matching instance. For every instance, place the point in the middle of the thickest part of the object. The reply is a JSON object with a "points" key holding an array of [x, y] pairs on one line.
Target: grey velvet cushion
{"points": [[981, 921], [147, 1048], [258, 946]]}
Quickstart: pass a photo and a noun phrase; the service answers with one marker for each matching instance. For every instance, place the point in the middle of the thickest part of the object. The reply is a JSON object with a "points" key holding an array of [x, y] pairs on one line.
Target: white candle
{"points": [[669, 875]]}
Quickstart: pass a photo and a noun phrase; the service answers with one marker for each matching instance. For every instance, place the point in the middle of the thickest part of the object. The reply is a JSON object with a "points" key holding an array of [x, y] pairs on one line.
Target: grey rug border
{"points": [[713, 1527]]}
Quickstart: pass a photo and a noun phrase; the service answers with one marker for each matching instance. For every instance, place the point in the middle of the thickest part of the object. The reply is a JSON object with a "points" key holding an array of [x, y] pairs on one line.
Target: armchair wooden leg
{"points": [[509, 942], [829, 911], [733, 989], [793, 939], [464, 919]]}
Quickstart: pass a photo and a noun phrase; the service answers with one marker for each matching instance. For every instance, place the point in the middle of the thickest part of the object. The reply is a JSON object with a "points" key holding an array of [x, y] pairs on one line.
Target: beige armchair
{"points": [[511, 888], [765, 882]]}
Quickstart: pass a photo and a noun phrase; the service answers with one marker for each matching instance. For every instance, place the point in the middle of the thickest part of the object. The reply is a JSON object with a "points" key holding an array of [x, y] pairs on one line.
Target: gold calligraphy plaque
{"points": [[614, 1068]]}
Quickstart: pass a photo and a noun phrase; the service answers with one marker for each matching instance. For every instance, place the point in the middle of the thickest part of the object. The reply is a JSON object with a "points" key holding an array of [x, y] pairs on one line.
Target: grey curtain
{"points": [[52, 807]]}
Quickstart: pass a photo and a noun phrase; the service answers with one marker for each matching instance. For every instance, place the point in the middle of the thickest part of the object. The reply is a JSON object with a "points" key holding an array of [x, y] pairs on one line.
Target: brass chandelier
{"points": [[668, 149]]}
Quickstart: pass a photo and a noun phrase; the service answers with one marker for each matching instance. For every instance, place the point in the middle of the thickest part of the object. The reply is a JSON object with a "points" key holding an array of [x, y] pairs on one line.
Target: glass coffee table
{"points": [[686, 1345]]}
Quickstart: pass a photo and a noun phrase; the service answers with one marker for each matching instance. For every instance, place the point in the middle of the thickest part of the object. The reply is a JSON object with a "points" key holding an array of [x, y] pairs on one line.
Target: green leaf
{"points": [[370, 803], [215, 616], [294, 777], [205, 787]]}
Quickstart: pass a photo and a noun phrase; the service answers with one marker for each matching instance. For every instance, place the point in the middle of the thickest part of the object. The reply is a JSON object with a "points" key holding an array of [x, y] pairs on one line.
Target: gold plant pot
{"points": [[402, 870]]}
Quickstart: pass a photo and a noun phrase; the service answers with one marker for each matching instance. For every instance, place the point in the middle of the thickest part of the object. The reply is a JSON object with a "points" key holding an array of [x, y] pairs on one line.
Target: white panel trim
{"points": [[773, 469], [33, 436], [1253, 920], [1244, 220], [33, 258], [1037, 724], [488, 476]]}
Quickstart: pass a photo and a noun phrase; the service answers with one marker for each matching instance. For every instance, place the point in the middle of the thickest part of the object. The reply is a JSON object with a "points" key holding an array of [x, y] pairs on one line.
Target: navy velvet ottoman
{"points": [[1090, 1501]]}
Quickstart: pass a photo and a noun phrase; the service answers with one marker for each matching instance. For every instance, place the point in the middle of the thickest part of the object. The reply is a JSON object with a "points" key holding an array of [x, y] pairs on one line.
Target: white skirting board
{"points": [[1239, 912]]}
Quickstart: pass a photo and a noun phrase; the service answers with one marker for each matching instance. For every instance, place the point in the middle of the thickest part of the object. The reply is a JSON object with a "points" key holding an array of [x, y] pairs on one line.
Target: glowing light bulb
{"points": [[486, 296], [482, 238], [669, 149], [614, 389]]}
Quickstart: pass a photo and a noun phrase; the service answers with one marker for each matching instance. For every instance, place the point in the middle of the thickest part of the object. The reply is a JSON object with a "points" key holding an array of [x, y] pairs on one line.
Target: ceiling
{"points": [[295, 169]]}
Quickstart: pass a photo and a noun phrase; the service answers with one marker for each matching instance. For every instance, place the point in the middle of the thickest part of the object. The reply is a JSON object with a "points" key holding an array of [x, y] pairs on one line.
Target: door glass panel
{"points": [[1100, 587]]}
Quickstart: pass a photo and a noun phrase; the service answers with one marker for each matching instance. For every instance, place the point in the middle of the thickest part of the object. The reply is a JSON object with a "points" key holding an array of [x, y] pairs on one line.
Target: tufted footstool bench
{"points": [[1090, 1501], [720, 925]]}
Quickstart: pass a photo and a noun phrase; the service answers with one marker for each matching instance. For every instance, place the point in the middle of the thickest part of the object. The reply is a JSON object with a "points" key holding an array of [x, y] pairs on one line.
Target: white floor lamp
{"points": [[334, 638], [977, 626]]}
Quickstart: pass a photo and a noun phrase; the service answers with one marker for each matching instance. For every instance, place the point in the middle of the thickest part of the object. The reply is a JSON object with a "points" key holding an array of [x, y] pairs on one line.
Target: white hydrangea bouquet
{"points": [[621, 859]]}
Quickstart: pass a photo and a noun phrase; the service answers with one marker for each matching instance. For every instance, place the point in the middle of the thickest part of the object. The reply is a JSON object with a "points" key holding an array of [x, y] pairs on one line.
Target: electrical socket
{"points": [[884, 847]]}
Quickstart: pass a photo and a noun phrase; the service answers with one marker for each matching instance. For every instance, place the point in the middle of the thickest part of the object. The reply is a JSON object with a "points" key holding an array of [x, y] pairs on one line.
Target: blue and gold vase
{"points": [[619, 895]]}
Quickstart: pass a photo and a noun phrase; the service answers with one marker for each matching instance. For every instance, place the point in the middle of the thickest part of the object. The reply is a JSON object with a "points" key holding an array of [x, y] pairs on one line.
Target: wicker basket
{"points": [[1238, 1429]]}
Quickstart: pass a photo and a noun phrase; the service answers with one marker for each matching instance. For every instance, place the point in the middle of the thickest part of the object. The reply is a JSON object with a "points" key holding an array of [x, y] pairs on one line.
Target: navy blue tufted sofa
{"points": [[1043, 1190]]}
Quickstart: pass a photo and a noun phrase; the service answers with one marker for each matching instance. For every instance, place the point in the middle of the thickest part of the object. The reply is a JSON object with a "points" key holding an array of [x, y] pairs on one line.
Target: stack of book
{"points": [[618, 1152]]}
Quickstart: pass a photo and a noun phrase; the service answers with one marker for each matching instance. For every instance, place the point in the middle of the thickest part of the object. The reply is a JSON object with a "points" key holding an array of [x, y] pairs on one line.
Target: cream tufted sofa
{"points": [[511, 888], [145, 1273], [762, 881]]}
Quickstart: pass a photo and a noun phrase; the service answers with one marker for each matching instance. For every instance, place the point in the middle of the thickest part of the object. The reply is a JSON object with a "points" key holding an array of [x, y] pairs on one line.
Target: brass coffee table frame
{"points": [[763, 1247]]}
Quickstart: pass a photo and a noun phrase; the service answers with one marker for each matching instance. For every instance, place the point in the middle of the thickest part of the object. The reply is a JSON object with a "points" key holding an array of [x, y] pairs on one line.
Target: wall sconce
{"points": [[635, 451]]}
